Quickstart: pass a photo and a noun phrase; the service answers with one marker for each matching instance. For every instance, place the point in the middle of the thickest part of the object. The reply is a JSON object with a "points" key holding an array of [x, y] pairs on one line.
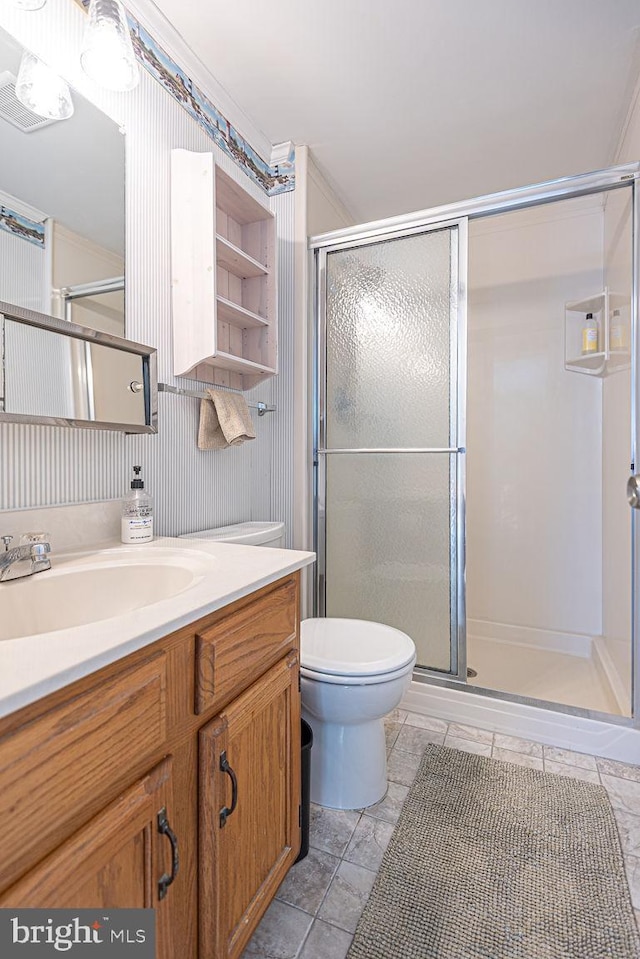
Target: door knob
{"points": [[633, 492]]}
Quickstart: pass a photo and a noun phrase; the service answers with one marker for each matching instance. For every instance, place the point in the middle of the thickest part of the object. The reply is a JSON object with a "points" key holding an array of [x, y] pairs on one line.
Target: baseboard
{"points": [[609, 672], [574, 644], [530, 722]]}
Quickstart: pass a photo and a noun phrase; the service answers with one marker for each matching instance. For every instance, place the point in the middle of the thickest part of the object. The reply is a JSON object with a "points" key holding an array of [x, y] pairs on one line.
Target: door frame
{"points": [[616, 177]]}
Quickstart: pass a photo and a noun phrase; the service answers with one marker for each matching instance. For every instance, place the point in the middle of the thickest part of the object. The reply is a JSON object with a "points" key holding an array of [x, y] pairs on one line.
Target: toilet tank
{"points": [[250, 534]]}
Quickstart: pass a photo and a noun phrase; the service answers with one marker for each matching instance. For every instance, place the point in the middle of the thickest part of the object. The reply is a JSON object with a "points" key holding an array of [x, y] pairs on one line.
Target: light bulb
{"points": [[107, 52], [29, 4], [42, 90]]}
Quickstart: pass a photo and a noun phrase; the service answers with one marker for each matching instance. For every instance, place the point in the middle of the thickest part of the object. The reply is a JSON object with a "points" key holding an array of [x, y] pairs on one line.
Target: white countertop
{"points": [[34, 666]]}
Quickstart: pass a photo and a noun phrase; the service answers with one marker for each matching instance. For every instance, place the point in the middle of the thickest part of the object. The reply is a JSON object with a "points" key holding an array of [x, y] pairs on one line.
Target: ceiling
{"points": [[72, 170], [407, 104]]}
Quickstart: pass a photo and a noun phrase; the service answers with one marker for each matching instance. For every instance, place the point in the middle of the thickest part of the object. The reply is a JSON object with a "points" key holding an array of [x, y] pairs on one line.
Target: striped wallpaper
{"points": [[193, 489]]}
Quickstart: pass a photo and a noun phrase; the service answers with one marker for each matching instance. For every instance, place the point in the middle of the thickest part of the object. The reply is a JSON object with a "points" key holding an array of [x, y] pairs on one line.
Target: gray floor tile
{"points": [[520, 759], [348, 893], [629, 830], [307, 882], [391, 731], [369, 842], [525, 746], [610, 767], [460, 731], [570, 758], [426, 722], [331, 829], [632, 865], [326, 942], [414, 739], [573, 772], [623, 793], [402, 767], [389, 808], [468, 745], [280, 933], [397, 716]]}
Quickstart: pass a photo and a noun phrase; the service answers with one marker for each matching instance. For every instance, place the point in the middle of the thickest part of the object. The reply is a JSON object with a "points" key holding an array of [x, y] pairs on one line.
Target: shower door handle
{"points": [[633, 491]]}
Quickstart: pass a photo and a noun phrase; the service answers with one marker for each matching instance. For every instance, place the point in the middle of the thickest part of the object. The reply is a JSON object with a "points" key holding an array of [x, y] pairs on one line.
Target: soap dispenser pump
{"points": [[137, 512]]}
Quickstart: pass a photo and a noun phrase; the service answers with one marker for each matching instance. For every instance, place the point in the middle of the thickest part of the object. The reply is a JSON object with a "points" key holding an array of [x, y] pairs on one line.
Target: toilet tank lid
{"points": [[252, 534], [352, 647]]}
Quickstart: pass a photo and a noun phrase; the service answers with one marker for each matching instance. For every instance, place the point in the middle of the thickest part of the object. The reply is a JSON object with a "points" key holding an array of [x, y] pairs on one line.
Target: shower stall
{"points": [[475, 427]]}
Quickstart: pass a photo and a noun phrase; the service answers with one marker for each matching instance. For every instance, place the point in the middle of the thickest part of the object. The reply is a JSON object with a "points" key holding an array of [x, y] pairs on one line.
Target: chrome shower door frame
{"points": [[458, 228], [623, 176]]}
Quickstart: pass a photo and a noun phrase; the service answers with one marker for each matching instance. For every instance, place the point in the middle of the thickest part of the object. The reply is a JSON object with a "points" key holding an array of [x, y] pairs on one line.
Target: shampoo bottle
{"points": [[137, 512], [590, 335], [617, 337]]}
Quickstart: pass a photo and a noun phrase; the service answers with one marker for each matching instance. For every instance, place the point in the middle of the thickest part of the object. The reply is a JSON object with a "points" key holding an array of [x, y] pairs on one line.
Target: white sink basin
{"points": [[85, 588]]}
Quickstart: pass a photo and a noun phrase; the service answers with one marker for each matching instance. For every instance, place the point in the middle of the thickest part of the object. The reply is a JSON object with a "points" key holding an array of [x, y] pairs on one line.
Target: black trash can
{"points": [[305, 790]]}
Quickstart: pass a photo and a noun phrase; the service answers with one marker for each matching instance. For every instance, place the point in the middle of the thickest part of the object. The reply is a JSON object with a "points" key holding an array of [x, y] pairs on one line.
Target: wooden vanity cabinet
{"points": [[99, 780]]}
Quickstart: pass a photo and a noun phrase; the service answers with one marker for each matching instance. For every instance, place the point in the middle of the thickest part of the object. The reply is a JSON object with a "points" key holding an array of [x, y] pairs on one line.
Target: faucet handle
{"points": [[6, 540]]}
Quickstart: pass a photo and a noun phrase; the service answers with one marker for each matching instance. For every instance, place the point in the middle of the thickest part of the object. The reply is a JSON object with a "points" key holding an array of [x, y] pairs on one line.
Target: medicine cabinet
{"points": [[609, 351], [223, 273]]}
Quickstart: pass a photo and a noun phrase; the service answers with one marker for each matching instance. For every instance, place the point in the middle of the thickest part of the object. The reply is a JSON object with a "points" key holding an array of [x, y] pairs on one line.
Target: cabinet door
{"points": [[250, 753], [115, 861]]}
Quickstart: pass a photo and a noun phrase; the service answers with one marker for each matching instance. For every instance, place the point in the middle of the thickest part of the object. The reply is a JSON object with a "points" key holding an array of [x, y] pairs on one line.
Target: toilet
{"points": [[353, 673]]}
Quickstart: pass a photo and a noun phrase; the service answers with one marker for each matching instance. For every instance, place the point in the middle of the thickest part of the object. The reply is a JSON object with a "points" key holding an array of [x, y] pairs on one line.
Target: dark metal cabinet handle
{"points": [[226, 811], [165, 830], [633, 492]]}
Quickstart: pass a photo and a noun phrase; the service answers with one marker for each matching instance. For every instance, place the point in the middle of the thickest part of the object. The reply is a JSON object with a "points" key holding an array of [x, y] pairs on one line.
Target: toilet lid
{"points": [[353, 647]]}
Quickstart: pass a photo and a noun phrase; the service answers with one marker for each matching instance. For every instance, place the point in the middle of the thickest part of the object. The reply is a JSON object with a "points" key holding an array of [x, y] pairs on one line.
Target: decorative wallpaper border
{"points": [[273, 180], [22, 227]]}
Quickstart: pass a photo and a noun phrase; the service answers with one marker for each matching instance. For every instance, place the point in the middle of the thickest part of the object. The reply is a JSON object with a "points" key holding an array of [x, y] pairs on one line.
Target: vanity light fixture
{"points": [[29, 4], [42, 90], [107, 52]]}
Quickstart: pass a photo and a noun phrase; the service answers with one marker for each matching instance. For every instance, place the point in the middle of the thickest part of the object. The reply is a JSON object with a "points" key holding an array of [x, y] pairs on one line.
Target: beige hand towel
{"points": [[224, 421]]}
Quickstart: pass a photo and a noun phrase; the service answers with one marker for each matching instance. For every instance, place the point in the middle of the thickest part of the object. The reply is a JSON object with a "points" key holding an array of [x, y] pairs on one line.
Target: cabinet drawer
{"points": [[236, 651], [57, 769]]}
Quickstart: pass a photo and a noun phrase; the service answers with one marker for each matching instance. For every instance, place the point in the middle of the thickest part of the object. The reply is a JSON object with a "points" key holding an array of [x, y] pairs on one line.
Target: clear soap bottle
{"points": [[590, 335], [137, 512]]}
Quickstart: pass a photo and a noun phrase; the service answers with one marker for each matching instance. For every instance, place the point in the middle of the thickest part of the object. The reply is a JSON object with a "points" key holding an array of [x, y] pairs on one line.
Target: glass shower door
{"points": [[389, 437]]}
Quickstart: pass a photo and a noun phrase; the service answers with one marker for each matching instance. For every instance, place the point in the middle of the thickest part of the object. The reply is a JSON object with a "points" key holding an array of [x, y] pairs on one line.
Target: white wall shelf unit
{"points": [[223, 269], [612, 352]]}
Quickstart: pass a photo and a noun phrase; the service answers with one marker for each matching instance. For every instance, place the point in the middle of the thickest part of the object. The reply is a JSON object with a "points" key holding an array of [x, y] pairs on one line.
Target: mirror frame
{"points": [[148, 355]]}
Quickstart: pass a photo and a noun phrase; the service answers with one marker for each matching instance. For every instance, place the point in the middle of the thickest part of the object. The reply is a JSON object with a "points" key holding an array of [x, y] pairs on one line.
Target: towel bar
{"points": [[262, 408]]}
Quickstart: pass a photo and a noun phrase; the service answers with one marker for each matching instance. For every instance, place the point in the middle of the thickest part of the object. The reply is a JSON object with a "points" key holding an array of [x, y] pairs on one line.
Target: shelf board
{"points": [[235, 201], [229, 312], [237, 364], [233, 259], [590, 361]]}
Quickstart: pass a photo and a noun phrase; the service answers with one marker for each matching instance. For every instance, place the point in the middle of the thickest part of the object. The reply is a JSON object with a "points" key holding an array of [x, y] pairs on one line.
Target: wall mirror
{"points": [[62, 374], [62, 208]]}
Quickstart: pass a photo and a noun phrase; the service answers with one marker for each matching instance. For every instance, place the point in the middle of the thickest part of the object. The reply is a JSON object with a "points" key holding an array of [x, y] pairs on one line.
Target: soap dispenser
{"points": [[137, 512]]}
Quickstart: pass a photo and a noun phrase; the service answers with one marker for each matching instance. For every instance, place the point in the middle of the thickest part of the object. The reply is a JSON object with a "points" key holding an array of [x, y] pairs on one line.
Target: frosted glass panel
{"points": [[388, 545], [389, 314]]}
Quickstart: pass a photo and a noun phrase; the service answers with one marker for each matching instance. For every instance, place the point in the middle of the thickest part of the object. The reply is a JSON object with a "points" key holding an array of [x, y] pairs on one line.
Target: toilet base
{"points": [[348, 763]]}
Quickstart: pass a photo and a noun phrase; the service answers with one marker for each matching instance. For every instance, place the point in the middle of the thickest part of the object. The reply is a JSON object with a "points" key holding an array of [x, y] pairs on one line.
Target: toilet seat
{"points": [[353, 651]]}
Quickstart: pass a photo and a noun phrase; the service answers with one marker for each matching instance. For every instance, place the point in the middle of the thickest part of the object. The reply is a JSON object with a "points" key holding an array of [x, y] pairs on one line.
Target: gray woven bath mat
{"points": [[490, 860]]}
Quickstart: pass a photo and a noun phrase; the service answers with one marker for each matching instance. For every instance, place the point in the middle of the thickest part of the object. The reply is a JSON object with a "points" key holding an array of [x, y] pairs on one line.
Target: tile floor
{"points": [[319, 903]]}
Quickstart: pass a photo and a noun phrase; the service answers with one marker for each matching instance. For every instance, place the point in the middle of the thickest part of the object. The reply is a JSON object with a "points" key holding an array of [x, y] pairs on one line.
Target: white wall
{"points": [[193, 489], [534, 464]]}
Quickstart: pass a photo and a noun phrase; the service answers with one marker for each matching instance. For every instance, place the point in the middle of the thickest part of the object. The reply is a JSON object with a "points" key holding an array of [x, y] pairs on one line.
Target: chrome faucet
{"points": [[27, 558]]}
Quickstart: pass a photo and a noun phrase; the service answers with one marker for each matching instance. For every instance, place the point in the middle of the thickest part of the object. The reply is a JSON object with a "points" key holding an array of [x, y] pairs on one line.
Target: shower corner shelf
{"points": [[223, 277], [605, 360]]}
